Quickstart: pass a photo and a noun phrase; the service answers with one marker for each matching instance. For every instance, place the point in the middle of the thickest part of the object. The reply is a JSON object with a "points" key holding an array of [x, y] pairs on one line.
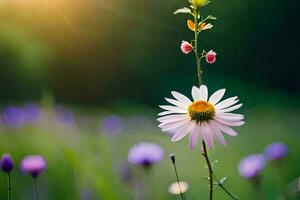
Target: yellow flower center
{"points": [[201, 111]]}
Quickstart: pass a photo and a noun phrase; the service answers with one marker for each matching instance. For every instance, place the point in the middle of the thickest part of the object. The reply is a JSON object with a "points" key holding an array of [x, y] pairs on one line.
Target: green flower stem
{"points": [[199, 69], [257, 188], [178, 182], [198, 59], [8, 186], [36, 196], [210, 171], [281, 180], [223, 187]]}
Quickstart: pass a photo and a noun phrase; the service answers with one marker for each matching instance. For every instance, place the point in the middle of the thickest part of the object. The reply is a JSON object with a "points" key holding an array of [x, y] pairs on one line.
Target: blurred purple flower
{"points": [[86, 194], [33, 165], [13, 117], [251, 166], [31, 112], [145, 154], [112, 125], [6, 163], [276, 151], [64, 116]]}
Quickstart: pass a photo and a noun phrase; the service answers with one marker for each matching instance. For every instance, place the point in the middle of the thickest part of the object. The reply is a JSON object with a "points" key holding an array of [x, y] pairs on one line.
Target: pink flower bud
{"points": [[211, 57], [186, 47]]}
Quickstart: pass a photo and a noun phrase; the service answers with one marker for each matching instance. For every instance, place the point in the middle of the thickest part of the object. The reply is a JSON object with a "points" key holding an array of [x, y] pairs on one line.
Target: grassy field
{"points": [[85, 163]]}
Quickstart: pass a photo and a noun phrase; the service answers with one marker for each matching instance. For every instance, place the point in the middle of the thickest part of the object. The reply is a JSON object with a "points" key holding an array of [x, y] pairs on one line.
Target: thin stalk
{"points": [[210, 170], [281, 180], [223, 187], [8, 186], [200, 79], [177, 178], [35, 185], [199, 70], [257, 188], [198, 60], [149, 191]]}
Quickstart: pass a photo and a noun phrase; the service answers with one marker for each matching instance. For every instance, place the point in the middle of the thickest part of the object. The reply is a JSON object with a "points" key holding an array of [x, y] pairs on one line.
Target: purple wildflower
{"points": [[13, 117], [31, 112], [145, 154], [112, 124], [64, 116], [33, 165], [276, 151], [251, 166], [86, 194], [6, 163]]}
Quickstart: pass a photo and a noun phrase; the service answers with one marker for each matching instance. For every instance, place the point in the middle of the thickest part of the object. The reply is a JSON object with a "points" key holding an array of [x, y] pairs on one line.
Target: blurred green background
{"points": [[100, 58]]}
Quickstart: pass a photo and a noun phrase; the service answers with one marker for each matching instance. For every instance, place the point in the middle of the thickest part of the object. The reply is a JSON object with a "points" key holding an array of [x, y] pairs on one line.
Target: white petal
{"points": [[203, 93], [229, 116], [196, 93], [181, 98], [217, 133], [172, 117], [166, 113], [207, 135], [207, 26], [217, 96], [176, 103], [183, 131], [226, 103], [174, 120], [225, 129], [230, 123], [173, 108], [231, 108], [194, 136], [177, 123], [173, 127]]}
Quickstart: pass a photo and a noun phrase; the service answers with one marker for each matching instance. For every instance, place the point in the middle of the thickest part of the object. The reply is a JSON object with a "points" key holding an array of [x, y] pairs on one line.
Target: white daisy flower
{"points": [[203, 118], [175, 188]]}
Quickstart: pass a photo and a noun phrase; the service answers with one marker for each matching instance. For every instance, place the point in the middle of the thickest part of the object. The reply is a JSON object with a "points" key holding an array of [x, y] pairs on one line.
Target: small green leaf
{"points": [[183, 11], [207, 2], [216, 184], [211, 17], [193, 7], [223, 180]]}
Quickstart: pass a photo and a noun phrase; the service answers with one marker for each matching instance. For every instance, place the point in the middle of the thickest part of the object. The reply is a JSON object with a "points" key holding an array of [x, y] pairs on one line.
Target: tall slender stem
{"points": [[199, 69], [36, 196], [148, 191], [200, 79], [281, 180], [198, 60], [224, 188], [257, 188], [8, 186], [177, 178], [210, 170]]}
